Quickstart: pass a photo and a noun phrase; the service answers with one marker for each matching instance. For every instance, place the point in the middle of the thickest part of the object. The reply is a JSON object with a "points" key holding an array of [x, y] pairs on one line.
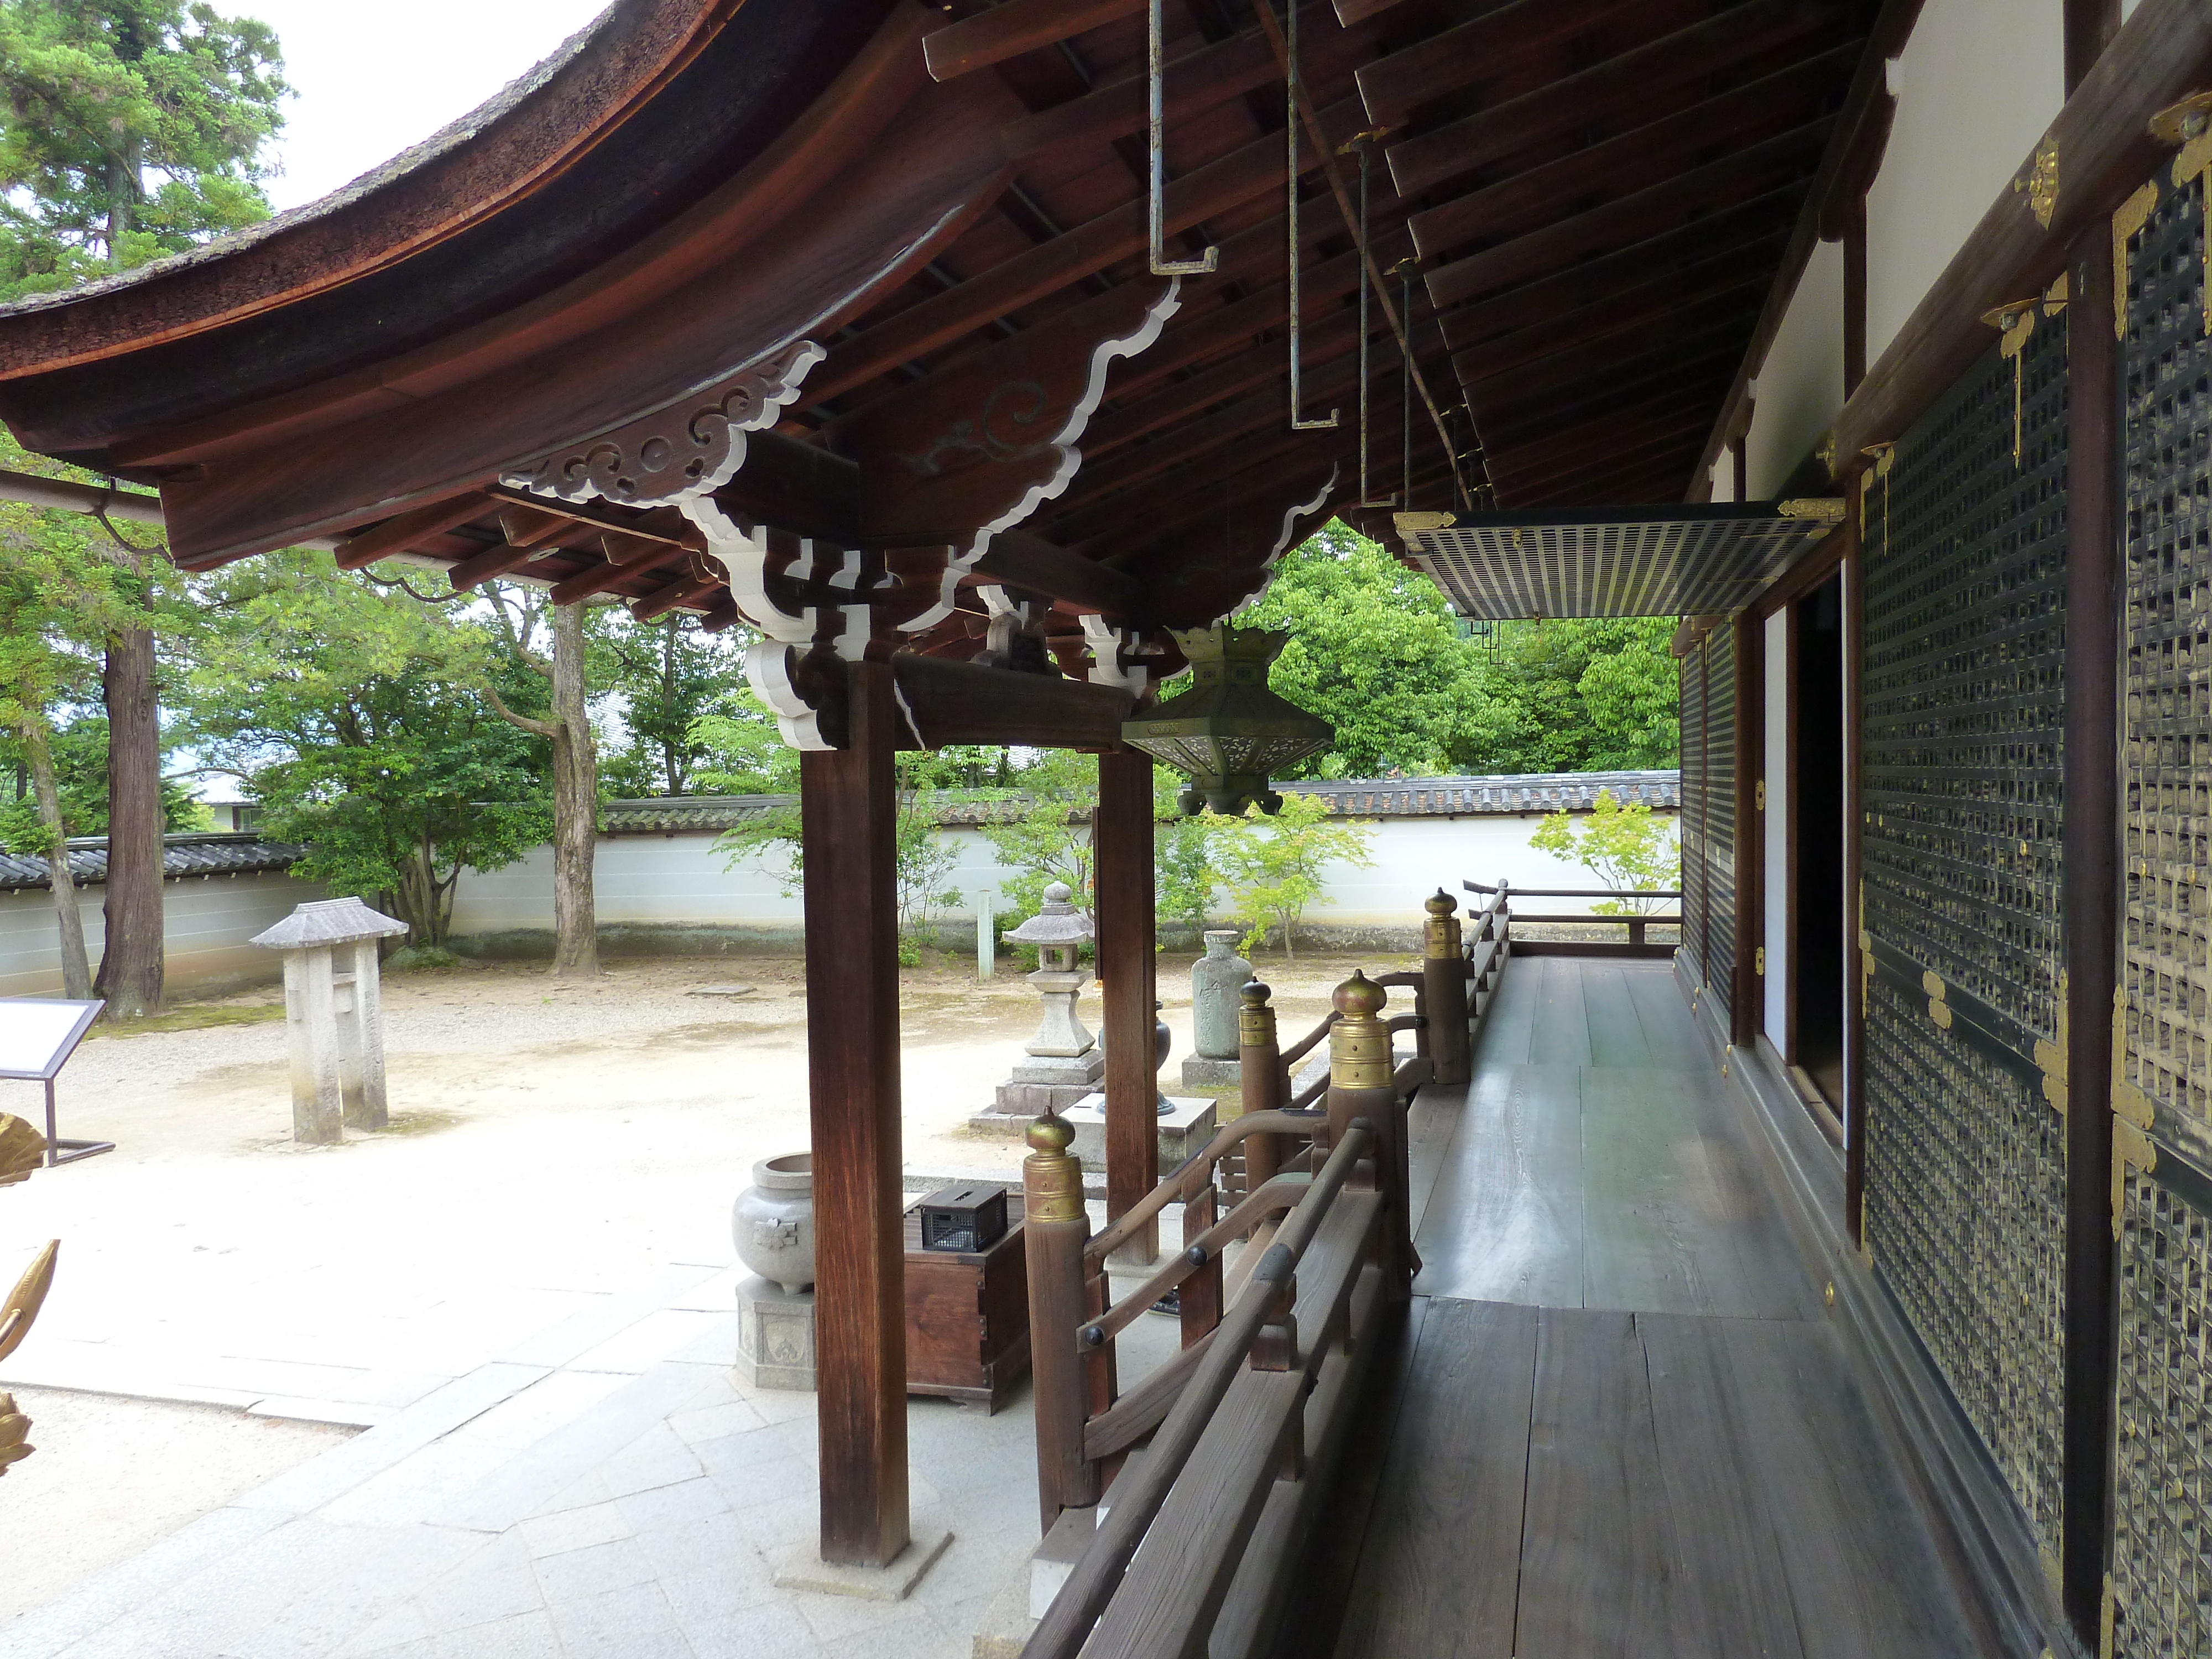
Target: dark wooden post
{"points": [[1855, 978], [1200, 1301], [847, 810], [1443, 970], [1750, 756], [1259, 1072], [1129, 972], [2090, 909], [1056, 1227]]}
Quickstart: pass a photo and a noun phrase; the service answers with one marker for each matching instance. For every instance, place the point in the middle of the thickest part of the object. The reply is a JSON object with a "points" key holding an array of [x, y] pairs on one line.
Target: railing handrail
{"points": [[1098, 1573], [1281, 1193], [1304, 1046], [1577, 892], [1182, 1181]]}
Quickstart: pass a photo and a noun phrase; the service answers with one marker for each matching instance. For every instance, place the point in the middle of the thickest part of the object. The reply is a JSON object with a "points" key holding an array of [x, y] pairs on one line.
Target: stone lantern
{"points": [[1229, 731], [333, 1015], [1065, 1062]]}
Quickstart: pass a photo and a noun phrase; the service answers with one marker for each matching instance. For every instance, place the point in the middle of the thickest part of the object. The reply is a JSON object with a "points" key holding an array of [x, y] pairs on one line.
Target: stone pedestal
{"points": [[775, 1336], [1051, 1083], [1200, 1071], [1188, 1125], [333, 1015]]}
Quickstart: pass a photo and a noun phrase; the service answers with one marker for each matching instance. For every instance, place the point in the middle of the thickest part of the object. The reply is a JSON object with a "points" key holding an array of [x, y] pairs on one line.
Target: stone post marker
{"points": [[334, 1015], [1215, 980]]}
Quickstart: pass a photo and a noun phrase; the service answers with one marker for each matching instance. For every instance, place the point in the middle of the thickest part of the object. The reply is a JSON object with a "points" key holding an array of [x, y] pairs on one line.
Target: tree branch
{"points": [[535, 728]]}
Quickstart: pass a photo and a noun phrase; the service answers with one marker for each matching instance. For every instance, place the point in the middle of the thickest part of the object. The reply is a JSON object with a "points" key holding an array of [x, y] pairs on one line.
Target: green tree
{"points": [[667, 675], [1272, 865], [1624, 847], [742, 752], [358, 716], [1376, 651], [131, 129], [1593, 694], [1184, 876], [1049, 839]]}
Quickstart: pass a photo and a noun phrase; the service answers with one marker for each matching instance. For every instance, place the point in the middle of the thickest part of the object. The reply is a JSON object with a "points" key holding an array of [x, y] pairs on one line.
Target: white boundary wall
{"points": [[208, 921]]}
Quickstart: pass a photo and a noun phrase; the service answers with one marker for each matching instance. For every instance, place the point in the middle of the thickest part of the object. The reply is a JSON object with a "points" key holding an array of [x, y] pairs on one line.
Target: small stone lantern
{"points": [[333, 1015], [1065, 1062]]}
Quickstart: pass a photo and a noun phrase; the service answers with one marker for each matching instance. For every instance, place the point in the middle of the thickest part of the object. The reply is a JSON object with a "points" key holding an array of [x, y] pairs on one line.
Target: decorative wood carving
{"points": [[14, 1426], [29, 1295], [674, 454], [21, 1149]]}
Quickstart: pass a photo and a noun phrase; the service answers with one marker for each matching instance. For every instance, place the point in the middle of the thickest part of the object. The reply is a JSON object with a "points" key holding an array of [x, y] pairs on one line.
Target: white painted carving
{"points": [[1109, 646], [767, 671], [679, 453]]}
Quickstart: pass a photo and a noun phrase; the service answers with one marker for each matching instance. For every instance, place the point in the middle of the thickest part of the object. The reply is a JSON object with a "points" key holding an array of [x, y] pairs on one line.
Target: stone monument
{"points": [[333, 1016], [1065, 1062], [1215, 980], [772, 1225]]}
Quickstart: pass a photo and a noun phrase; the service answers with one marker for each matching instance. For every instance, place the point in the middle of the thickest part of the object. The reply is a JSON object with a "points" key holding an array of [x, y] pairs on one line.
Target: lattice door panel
{"points": [[1719, 816], [1960, 721], [1693, 825], [2162, 1498]]}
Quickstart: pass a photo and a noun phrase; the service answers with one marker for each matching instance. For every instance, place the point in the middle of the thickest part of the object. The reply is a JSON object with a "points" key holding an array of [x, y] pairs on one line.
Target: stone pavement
{"points": [[606, 1487]]}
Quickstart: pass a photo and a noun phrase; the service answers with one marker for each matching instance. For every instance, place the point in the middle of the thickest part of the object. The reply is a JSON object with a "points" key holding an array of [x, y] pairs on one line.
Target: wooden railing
{"points": [[1637, 941]]}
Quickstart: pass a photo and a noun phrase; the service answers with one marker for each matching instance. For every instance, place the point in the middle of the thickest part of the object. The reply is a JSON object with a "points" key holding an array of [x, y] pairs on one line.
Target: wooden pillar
{"points": [[848, 808], [1129, 975], [1750, 756], [2089, 25], [1854, 596], [2089, 906]]}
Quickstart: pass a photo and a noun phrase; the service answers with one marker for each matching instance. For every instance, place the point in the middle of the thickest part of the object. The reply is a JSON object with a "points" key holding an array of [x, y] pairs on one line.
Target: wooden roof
{"points": [[893, 261]]}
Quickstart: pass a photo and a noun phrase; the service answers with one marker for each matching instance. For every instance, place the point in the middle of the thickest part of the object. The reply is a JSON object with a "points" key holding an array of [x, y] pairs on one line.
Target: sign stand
{"points": [[37, 1037]]}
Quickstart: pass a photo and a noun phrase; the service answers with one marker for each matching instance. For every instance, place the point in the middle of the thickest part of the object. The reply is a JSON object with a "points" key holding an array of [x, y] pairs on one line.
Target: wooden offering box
{"points": [[967, 1318]]}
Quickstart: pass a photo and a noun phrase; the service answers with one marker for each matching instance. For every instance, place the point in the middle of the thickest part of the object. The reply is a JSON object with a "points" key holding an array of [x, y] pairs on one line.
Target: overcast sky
{"points": [[373, 80]]}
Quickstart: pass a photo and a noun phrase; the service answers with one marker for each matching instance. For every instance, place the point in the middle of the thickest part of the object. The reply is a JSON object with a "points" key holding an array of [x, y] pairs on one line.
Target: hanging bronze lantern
{"points": [[1229, 731]]}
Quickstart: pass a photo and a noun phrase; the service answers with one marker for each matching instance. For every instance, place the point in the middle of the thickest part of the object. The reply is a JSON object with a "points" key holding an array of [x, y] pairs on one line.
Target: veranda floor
{"points": [[1620, 1422]]}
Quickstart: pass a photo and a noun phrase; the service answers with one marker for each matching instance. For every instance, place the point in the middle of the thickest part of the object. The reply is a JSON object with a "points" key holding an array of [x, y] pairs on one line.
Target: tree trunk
{"points": [[131, 966], [575, 802], [76, 965]]}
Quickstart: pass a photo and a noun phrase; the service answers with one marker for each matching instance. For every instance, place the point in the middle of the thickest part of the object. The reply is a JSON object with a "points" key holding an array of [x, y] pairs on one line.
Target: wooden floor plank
{"points": [[1504, 1219], [1561, 1033], [1432, 1124], [1599, 1530], [1505, 1028], [1438, 1576], [1731, 1591], [1616, 1029], [1674, 1218], [1673, 1040], [1860, 1564]]}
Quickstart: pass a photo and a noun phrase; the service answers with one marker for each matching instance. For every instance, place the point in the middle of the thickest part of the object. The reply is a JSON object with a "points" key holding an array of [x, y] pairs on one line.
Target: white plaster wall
{"points": [[1776, 849], [209, 921], [1982, 80], [1800, 383], [680, 879]]}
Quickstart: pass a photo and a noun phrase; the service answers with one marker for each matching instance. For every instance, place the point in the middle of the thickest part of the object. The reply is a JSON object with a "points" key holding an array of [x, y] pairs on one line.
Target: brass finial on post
{"points": [[1362, 1082], [1443, 989], [1359, 1042], [1056, 1228]]}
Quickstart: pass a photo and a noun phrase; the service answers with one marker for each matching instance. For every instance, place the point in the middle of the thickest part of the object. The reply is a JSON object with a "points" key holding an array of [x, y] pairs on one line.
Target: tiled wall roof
{"points": [[1396, 798], [181, 856]]}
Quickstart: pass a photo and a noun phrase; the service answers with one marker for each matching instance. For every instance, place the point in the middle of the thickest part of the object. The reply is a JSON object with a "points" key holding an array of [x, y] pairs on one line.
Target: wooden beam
{"points": [[1622, 449], [2094, 850], [1122, 835], [1570, 358], [961, 703], [1197, 82], [1706, 50], [848, 808], [1642, 157], [1741, 276], [1734, 234], [2162, 54], [685, 590], [400, 533], [1009, 29], [1602, 369], [1020, 558], [1672, 384], [623, 556], [1503, 41], [1631, 218], [1251, 171], [2090, 25], [500, 559], [805, 488]]}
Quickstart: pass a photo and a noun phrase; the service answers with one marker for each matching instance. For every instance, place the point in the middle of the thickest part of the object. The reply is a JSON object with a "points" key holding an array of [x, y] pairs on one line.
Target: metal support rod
{"points": [[1156, 147], [1364, 144], [1291, 88], [1406, 390]]}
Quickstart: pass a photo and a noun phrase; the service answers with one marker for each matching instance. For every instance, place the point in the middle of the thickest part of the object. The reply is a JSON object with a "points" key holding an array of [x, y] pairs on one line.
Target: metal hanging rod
{"points": [[1364, 144], [1156, 144], [1293, 91], [1264, 10]]}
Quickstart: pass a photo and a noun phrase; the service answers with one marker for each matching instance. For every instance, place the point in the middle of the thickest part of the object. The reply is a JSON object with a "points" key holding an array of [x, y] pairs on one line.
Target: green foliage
{"points": [[1185, 880], [1051, 840], [740, 750], [1628, 849], [129, 129], [667, 676], [1376, 652], [355, 713], [1595, 695], [80, 754], [1272, 867]]}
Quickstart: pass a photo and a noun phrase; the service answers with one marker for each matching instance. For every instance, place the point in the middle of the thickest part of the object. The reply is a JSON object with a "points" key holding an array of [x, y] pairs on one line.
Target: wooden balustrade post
{"points": [[1443, 968], [1200, 1299], [1260, 1068], [1056, 1228], [1361, 1084]]}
